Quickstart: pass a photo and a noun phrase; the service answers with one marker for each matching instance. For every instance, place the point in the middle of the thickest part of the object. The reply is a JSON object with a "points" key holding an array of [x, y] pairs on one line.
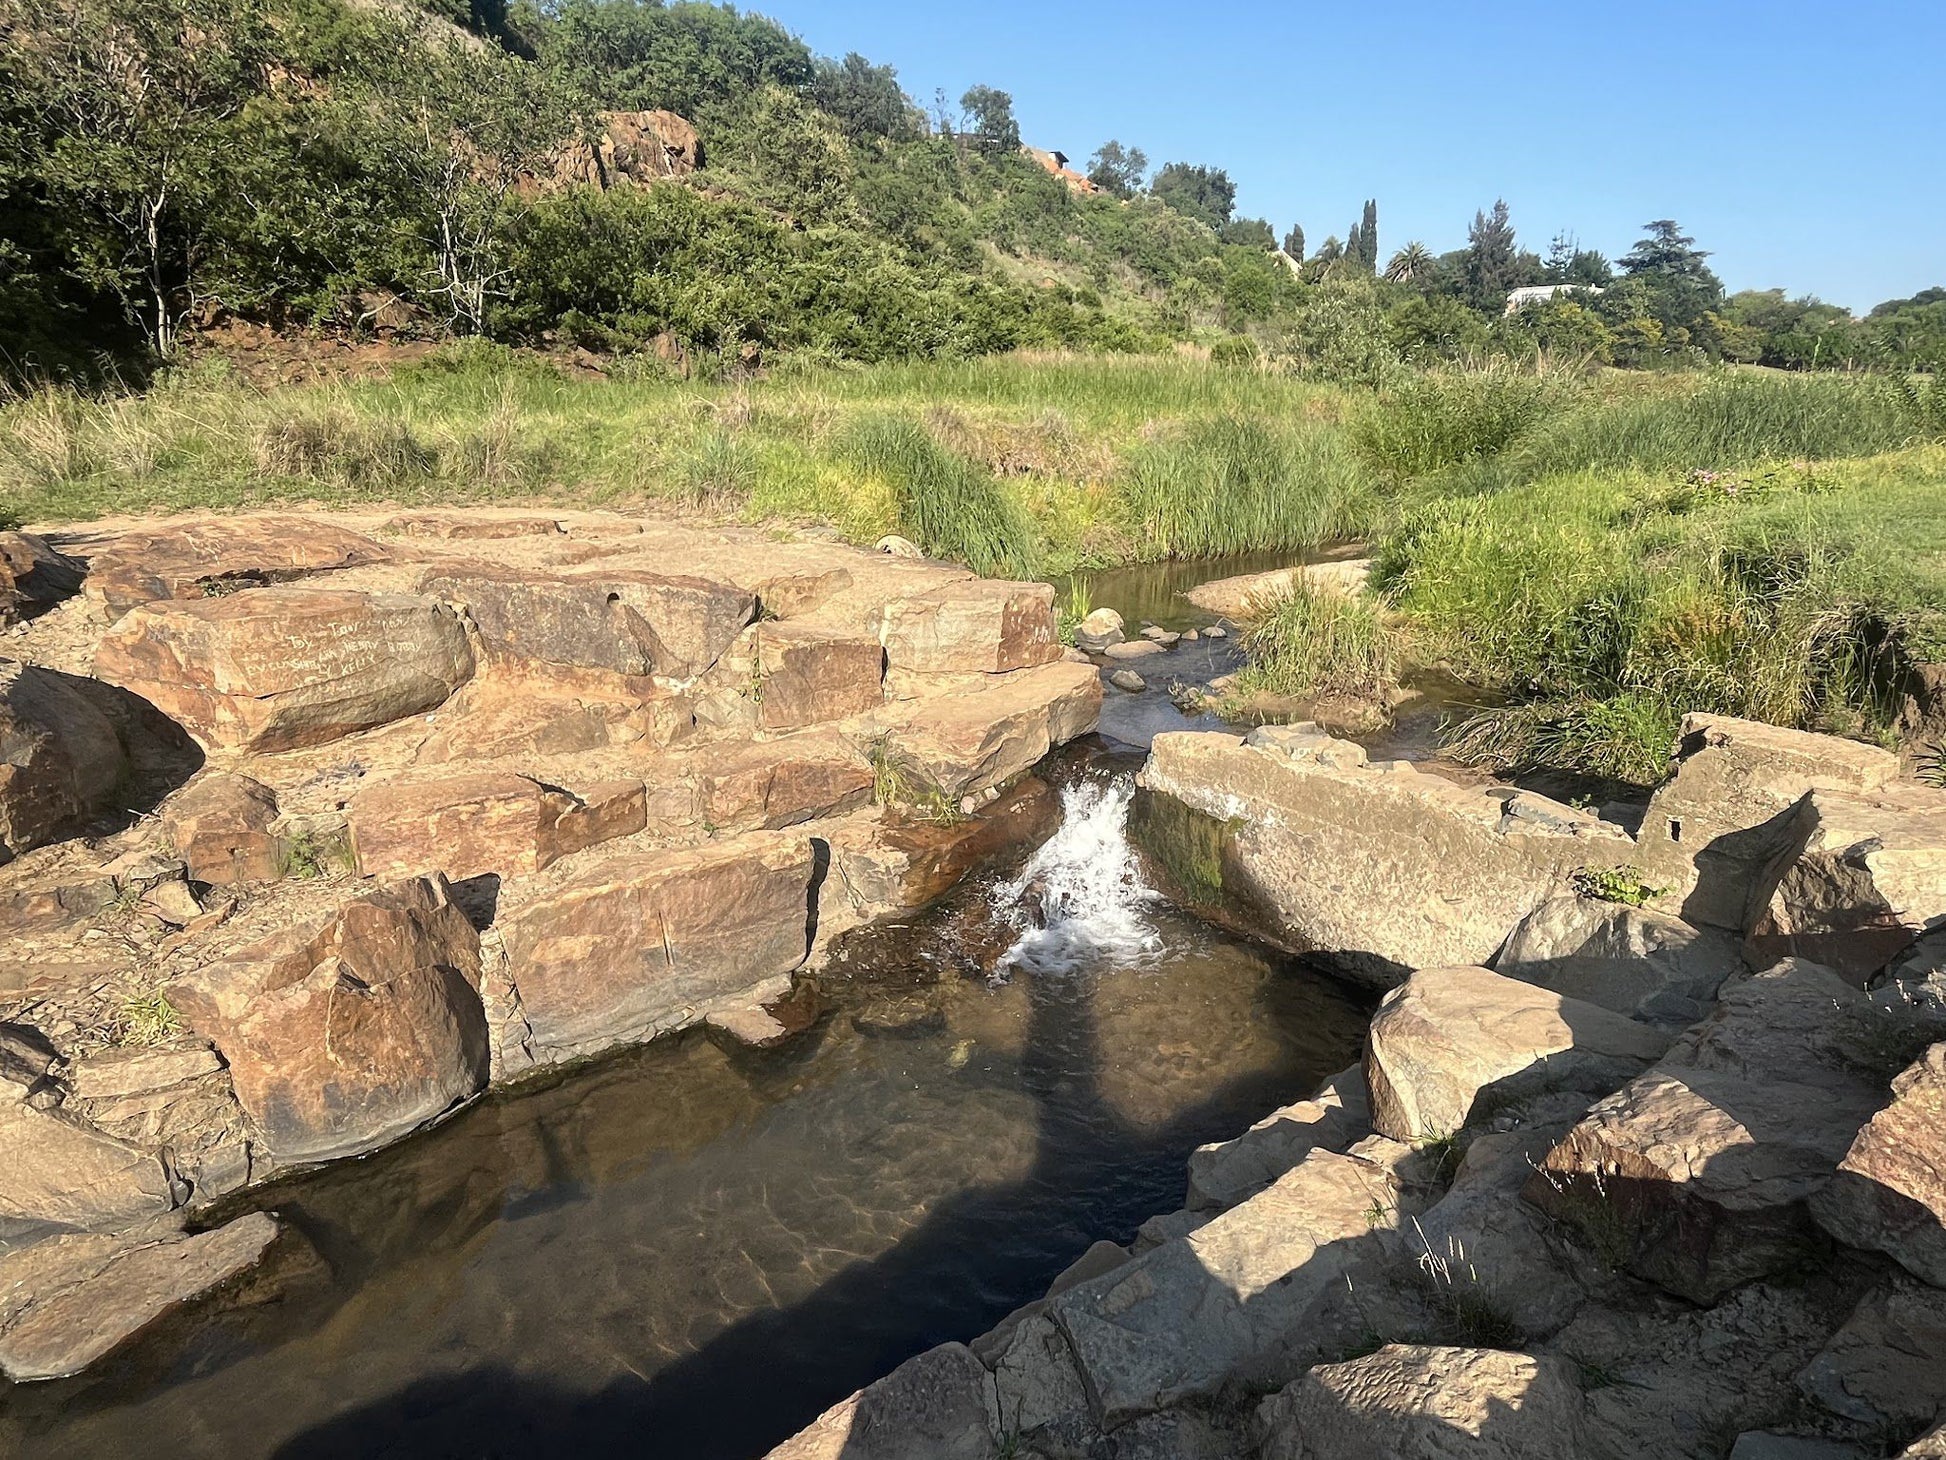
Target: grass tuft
{"points": [[950, 507], [1320, 643]]}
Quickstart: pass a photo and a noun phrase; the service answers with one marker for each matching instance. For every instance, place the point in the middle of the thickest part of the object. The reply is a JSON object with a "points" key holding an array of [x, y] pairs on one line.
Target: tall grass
{"points": [[949, 506], [1231, 484], [1430, 422], [1321, 643]]}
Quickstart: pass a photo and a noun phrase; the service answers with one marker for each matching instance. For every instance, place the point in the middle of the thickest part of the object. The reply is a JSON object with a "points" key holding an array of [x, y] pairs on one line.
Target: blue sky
{"points": [[1802, 143]]}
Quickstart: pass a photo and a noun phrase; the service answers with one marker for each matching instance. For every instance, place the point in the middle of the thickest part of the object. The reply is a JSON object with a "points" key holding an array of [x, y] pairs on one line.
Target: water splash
{"points": [[1081, 899]]}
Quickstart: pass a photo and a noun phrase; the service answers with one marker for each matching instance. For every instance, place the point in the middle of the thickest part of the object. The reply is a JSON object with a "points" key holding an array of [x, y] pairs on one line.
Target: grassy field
{"points": [[1606, 552]]}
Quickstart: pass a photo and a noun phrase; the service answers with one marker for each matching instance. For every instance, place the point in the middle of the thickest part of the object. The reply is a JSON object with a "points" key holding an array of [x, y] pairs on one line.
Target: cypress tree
{"points": [[1368, 234]]}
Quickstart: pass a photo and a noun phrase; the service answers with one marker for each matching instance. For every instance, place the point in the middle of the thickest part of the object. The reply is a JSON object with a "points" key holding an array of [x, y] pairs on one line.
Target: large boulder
{"points": [[975, 625], [220, 824], [778, 783], [1448, 1040], [637, 944], [187, 558], [1415, 1403], [1864, 877], [33, 577], [346, 1031], [69, 1301], [483, 822], [1225, 1173], [936, 1405], [969, 742], [1633, 960], [1382, 866], [274, 668], [1696, 1174], [1232, 1302], [60, 758], [1712, 831], [58, 1173], [1890, 1191]]}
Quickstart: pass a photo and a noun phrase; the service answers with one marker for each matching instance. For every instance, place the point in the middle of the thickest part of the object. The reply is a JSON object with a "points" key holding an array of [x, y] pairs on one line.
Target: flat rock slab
{"points": [[1635, 961], [181, 560], [970, 742], [936, 1405], [484, 822], [1225, 1173], [979, 625], [66, 1302], [62, 1174], [1250, 595]]}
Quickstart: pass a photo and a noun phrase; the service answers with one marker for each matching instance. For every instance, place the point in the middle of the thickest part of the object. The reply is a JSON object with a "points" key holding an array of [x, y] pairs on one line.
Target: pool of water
{"points": [[689, 1250]]}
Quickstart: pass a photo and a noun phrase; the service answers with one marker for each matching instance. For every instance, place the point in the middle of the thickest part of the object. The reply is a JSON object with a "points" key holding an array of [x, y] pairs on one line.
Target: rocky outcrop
{"points": [[33, 577], [274, 668], [128, 568], [1382, 866], [786, 676], [61, 1174], [936, 1405], [1419, 1403], [971, 626], [343, 1033], [632, 149], [1886, 1367], [969, 742], [1451, 1040], [484, 822], [1712, 831], [220, 825], [1225, 1173], [1633, 960], [60, 758], [1890, 1191], [71, 1300]]}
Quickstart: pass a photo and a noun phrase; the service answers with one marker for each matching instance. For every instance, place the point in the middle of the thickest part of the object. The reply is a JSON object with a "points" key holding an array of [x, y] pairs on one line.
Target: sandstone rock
{"points": [[1887, 1366], [345, 1032], [553, 620], [67, 1302], [1129, 681], [969, 742], [1102, 627], [1929, 1446], [805, 676], [1247, 595], [275, 668], [1712, 831], [33, 577], [1134, 649], [1381, 866], [1697, 1173], [1039, 1396], [1890, 1191], [781, 783], [636, 943], [185, 558], [1228, 1172], [976, 624], [220, 824], [58, 1173], [60, 758], [898, 547], [1230, 1302], [1632, 960], [1449, 1038], [469, 825], [936, 1405], [1414, 1403], [108, 1073], [1865, 877], [26, 1059], [527, 715], [472, 526]]}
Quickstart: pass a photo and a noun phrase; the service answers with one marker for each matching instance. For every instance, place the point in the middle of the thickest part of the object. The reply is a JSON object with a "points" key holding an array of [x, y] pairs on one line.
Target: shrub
{"points": [[1436, 421]]}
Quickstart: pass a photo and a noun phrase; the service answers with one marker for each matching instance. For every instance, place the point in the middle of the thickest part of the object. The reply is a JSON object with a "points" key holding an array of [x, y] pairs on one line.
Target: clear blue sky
{"points": [[1801, 142]]}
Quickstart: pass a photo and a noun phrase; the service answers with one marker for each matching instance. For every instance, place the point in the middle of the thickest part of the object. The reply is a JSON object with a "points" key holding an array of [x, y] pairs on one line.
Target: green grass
{"points": [[1311, 643]]}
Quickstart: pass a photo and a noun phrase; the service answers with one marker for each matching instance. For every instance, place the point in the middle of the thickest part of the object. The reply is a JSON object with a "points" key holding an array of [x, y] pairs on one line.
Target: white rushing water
{"points": [[1081, 899]]}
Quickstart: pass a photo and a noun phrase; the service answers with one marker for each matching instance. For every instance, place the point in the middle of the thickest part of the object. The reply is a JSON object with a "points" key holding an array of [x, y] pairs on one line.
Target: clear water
{"points": [[689, 1251]]}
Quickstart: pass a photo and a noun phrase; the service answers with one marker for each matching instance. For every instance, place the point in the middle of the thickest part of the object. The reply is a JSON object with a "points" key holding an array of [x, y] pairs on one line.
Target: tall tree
{"points": [[1118, 170], [1294, 243], [991, 114], [1368, 235], [1412, 262], [1680, 290], [1203, 193], [1355, 247], [1491, 265], [866, 100]]}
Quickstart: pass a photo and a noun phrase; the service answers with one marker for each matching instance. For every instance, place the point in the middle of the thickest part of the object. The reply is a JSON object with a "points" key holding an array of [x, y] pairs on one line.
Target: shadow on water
{"points": [[691, 1252]]}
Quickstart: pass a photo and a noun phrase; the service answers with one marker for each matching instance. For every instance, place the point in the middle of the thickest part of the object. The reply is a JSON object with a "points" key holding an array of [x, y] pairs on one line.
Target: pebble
{"points": [[1135, 649], [1216, 631], [1190, 636], [1129, 680]]}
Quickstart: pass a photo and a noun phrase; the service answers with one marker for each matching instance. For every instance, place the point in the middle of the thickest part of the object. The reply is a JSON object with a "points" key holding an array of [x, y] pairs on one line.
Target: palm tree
{"points": [[1409, 263]]}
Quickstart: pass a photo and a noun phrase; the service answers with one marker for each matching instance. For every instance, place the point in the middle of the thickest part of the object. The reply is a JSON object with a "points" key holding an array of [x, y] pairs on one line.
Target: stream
{"points": [[690, 1249]]}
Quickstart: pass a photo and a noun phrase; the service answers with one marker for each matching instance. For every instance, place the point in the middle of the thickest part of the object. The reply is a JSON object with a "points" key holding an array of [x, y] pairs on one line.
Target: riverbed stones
{"points": [[33, 577], [1449, 1040], [347, 1030], [637, 941], [1100, 629], [220, 825], [1632, 960], [60, 758], [67, 1302], [1381, 866], [1712, 831], [1134, 649], [275, 668], [1890, 1191], [1409, 1402], [982, 625], [937, 1405], [969, 742], [1128, 681], [484, 822], [1697, 1173]]}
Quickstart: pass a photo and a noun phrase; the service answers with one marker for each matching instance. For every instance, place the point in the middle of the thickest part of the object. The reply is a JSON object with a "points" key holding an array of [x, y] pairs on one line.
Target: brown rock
{"points": [[632, 148], [978, 624], [637, 944], [183, 558], [60, 758], [471, 526], [67, 1302], [1632, 960], [1887, 1366], [62, 1174], [806, 676], [781, 783], [1890, 1191], [792, 595], [697, 619], [346, 1032], [219, 825], [110, 1073], [520, 616], [966, 743], [528, 714], [934, 1405], [1712, 831], [33, 577], [469, 825], [275, 668]]}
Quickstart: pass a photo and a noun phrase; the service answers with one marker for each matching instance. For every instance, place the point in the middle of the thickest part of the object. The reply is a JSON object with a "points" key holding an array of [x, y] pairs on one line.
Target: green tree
{"points": [[990, 115], [1413, 262], [700, 60], [1678, 288], [1368, 236], [1118, 170], [1249, 233], [1203, 193], [866, 100], [1294, 243], [1490, 269]]}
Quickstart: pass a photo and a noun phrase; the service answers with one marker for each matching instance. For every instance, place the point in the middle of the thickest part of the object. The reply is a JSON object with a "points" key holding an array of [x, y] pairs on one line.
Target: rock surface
{"points": [[1247, 595], [1635, 961], [1887, 1366], [971, 742], [936, 1405], [484, 822], [974, 625], [1225, 1173], [33, 577], [61, 1174], [60, 758], [220, 825], [1890, 1191]]}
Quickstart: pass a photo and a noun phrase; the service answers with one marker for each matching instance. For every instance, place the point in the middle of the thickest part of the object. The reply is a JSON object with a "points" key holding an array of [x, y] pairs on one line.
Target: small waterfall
{"points": [[1080, 898]]}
